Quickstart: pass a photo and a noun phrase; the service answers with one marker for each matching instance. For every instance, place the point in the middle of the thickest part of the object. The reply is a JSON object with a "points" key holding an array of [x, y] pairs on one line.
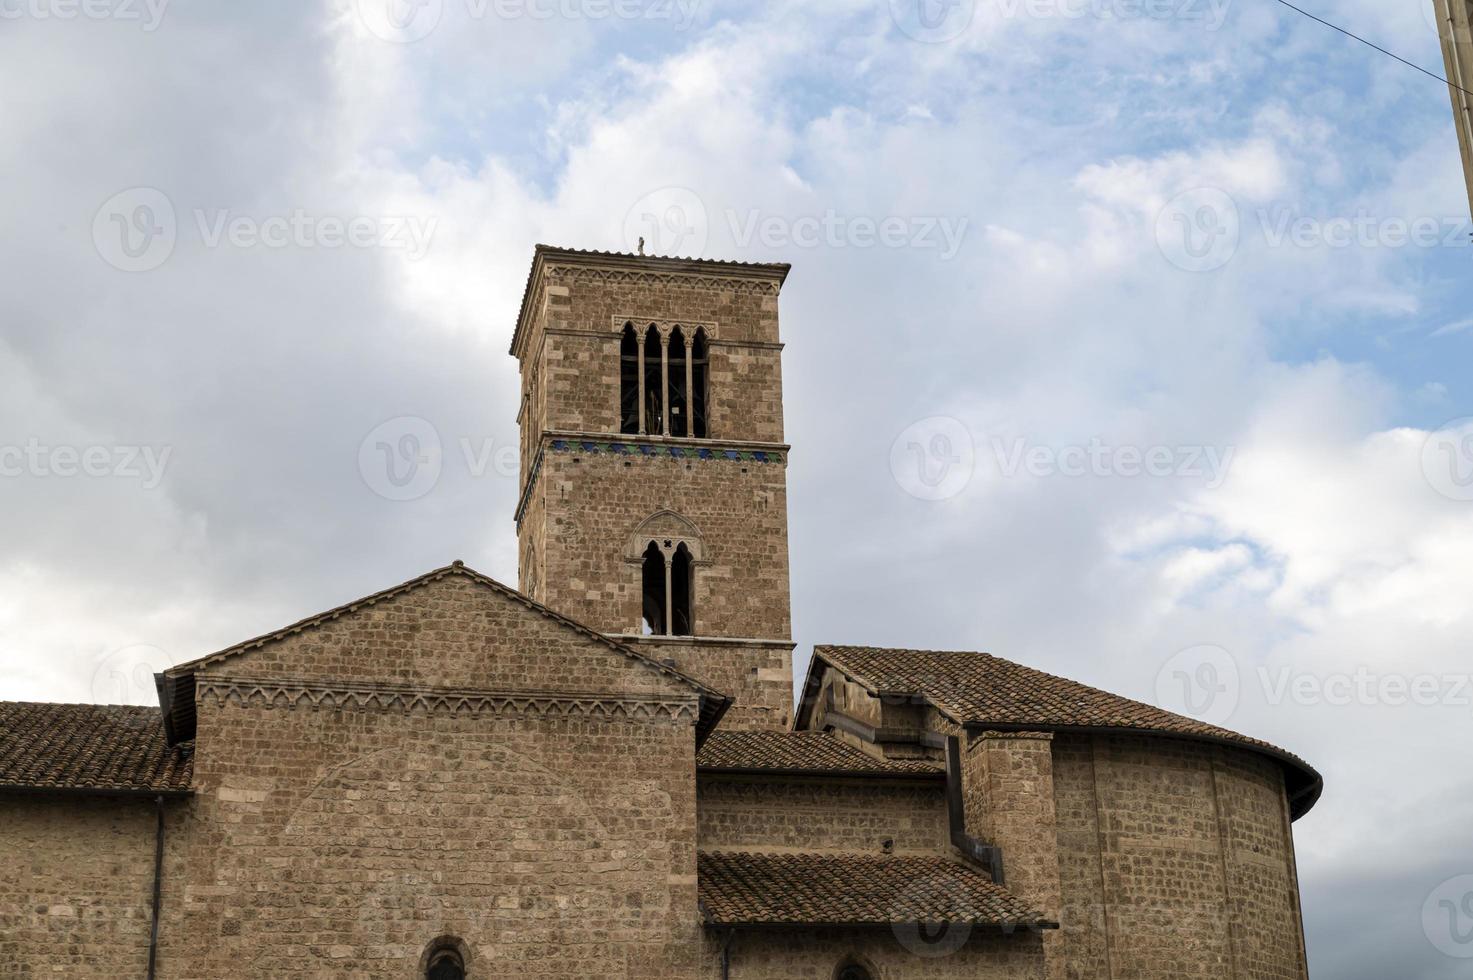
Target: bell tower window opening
{"points": [[700, 372], [679, 377], [667, 587], [654, 382], [654, 607], [629, 377], [681, 582]]}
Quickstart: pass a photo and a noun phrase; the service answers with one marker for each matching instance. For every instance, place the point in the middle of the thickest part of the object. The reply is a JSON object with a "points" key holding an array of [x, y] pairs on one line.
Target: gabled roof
{"points": [[90, 748], [800, 753], [978, 689], [176, 685], [542, 254], [742, 889]]}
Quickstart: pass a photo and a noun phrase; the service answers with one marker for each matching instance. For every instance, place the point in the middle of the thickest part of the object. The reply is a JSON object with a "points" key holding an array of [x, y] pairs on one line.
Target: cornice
{"points": [[339, 695]]}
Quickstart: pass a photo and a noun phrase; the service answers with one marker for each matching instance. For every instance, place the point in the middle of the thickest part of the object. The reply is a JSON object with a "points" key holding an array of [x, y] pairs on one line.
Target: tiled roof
{"points": [[978, 688], [801, 752], [89, 747], [829, 889]]}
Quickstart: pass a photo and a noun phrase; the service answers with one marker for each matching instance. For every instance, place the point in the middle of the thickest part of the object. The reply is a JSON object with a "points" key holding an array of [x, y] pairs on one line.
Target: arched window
{"points": [[681, 581], [700, 364], [654, 591], [667, 548], [678, 382], [654, 383], [629, 381], [444, 961], [852, 971]]}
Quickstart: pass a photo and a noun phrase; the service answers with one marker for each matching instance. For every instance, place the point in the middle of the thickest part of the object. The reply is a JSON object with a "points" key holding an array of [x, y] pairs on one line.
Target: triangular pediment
{"points": [[452, 633]]}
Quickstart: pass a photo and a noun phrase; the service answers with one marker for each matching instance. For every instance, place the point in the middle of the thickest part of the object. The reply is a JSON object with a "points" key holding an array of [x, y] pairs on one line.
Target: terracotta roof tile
{"points": [[978, 688], [830, 889], [89, 747], [801, 751]]}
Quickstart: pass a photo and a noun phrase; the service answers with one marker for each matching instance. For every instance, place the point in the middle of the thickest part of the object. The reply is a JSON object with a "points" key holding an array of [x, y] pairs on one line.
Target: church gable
{"points": [[448, 640]]}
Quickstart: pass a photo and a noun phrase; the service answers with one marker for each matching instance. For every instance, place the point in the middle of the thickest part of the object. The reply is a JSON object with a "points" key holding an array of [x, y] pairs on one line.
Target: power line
{"points": [[1378, 47]]}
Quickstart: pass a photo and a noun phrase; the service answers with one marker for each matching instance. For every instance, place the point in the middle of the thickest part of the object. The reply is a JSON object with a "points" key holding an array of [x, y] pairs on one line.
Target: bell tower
{"points": [[653, 501]]}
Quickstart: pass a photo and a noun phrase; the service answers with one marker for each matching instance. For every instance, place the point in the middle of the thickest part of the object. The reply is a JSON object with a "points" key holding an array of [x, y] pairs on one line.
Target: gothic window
{"points": [[667, 548], [700, 364], [654, 591], [668, 577], [654, 383], [629, 381], [679, 380], [853, 971], [681, 580]]}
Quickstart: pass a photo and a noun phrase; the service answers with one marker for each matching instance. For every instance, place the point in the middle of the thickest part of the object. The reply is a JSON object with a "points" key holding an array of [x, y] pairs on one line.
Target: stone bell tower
{"points": [[653, 500]]}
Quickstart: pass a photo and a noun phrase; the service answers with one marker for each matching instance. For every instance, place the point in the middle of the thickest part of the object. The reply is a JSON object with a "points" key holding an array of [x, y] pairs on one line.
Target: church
{"points": [[602, 772]]}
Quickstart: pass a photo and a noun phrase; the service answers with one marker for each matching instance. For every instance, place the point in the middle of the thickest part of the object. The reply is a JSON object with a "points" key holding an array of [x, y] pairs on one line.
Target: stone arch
{"points": [[668, 530], [667, 549]]}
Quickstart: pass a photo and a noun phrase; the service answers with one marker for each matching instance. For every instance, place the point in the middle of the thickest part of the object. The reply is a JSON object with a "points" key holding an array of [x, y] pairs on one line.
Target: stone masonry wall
{"points": [[758, 675], [596, 502], [369, 785], [1176, 861], [76, 885], [766, 814], [1008, 794], [341, 843], [570, 357]]}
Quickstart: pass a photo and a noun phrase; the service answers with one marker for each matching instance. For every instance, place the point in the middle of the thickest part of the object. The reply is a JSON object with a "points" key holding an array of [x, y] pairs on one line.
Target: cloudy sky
{"points": [[1127, 339]]}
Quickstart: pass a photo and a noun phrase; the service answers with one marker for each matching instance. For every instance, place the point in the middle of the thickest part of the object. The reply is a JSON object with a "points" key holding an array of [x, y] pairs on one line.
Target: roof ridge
{"points": [[456, 567]]}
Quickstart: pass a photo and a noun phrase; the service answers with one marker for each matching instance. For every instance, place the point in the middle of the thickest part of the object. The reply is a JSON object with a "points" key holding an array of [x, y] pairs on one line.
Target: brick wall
{"points": [[745, 813], [340, 843], [76, 885], [758, 675], [1008, 793], [1176, 860], [595, 502], [374, 783]]}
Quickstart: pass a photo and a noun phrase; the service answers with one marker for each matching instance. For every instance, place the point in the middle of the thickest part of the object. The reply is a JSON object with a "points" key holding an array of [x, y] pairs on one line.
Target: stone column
{"points": [[669, 597], [665, 390], [690, 391], [639, 345]]}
